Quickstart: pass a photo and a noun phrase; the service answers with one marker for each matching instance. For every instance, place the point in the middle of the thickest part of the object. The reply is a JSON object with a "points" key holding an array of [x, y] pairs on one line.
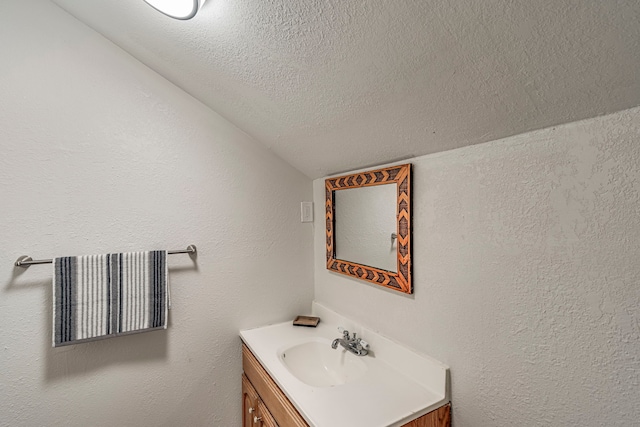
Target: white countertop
{"points": [[399, 385]]}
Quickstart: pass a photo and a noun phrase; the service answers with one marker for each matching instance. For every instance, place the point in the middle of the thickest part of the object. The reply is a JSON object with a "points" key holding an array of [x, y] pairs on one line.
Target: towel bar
{"points": [[25, 261]]}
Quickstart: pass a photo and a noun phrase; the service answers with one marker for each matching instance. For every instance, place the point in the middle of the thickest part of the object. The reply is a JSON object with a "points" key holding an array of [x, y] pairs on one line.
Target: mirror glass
{"points": [[368, 226], [365, 226]]}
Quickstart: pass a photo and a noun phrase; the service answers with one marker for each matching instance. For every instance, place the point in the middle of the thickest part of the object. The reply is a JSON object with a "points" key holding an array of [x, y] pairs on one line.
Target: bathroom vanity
{"points": [[293, 377]]}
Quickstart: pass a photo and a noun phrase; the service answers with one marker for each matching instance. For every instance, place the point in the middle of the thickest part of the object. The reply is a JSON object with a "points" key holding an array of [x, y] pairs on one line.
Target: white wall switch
{"points": [[306, 211]]}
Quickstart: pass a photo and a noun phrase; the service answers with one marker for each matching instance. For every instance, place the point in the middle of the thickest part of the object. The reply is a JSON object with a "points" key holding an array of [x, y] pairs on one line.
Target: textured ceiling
{"points": [[334, 85]]}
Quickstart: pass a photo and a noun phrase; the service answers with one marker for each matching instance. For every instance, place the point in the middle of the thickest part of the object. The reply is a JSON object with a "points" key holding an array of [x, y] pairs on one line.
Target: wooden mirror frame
{"points": [[401, 176]]}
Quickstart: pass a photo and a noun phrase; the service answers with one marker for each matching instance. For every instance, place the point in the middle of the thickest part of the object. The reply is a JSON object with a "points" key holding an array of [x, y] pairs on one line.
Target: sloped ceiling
{"points": [[334, 85]]}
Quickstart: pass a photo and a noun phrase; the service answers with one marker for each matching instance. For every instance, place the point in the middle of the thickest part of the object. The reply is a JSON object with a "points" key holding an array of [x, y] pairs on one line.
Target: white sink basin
{"points": [[389, 387], [315, 363]]}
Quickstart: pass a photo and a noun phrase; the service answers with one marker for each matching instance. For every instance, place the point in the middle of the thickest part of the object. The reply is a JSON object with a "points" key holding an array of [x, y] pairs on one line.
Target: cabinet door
{"points": [[265, 417], [249, 403], [279, 406]]}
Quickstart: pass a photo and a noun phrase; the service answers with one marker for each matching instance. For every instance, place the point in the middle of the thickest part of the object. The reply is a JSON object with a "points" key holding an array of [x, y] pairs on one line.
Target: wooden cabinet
{"points": [[249, 402], [264, 416], [265, 405], [254, 411], [281, 411], [440, 417]]}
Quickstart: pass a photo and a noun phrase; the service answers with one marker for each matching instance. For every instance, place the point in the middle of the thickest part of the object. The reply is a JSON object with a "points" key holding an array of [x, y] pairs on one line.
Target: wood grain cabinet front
{"points": [[264, 416], [254, 411], [265, 405]]}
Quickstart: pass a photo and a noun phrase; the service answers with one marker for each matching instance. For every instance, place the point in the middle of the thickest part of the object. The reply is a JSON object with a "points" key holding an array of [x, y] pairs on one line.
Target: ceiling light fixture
{"points": [[178, 9]]}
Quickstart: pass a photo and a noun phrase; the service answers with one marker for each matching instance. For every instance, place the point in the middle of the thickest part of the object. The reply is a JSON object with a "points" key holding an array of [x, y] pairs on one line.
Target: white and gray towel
{"points": [[99, 296]]}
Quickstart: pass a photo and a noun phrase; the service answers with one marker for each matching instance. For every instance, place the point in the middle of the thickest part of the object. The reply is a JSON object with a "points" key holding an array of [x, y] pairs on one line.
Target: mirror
{"points": [[368, 221], [365, 226]]}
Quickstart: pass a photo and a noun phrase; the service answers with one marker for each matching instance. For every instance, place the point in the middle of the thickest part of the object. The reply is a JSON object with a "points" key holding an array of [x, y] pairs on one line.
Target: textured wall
{"points": [[526, 276], [97, 154]]}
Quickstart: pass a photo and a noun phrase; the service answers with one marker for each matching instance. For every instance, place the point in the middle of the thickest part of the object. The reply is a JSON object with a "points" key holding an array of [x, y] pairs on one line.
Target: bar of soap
{"points": [[309, 321]]}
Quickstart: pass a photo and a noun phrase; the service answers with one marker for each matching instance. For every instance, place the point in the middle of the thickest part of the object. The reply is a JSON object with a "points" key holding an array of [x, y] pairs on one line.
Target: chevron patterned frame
{"points": [[401, 176]]}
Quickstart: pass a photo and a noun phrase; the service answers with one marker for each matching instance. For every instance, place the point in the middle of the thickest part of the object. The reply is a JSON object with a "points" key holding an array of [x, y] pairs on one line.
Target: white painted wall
{"points": [[526, 275], [97, 154]]}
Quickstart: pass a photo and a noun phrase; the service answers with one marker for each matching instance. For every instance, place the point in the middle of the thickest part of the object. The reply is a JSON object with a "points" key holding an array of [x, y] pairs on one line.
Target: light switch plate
{"points": [[306, 211]]}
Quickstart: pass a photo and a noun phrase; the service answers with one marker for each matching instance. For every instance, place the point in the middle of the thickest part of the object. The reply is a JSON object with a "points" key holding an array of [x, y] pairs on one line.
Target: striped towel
{"points": [[99, 296]]}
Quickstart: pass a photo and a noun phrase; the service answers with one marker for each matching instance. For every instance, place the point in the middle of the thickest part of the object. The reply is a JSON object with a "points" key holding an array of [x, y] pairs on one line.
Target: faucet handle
{"points": [[345, 333]]}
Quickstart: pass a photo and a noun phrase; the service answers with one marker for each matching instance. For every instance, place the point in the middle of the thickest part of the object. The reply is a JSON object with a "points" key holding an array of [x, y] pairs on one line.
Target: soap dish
{"points": [[309, 321]]}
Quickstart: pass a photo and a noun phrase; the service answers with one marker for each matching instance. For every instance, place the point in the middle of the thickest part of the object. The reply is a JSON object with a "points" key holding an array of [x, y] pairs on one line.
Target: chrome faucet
{"points": [[351, 343]]}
